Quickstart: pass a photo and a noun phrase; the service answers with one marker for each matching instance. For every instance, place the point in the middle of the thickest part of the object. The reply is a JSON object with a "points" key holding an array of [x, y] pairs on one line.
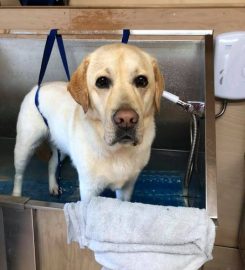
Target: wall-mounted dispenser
{"points": [[229, 66]]}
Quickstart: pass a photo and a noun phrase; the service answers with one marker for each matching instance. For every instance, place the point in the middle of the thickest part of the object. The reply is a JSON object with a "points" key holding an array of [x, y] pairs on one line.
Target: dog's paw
{"points": [[16, 194], [55, 190]]}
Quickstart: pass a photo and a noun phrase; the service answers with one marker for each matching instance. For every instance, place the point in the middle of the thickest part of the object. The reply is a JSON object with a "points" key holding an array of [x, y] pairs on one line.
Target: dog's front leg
{"points": [[89, 188], [125, 193]]}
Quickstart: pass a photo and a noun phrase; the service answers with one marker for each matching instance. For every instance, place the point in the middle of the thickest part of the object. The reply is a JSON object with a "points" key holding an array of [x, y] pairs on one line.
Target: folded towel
{"points": [[134, 236]]}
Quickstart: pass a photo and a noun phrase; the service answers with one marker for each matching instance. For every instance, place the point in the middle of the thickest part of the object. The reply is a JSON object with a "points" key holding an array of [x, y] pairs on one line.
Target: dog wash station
{"points": [[182, 167]]}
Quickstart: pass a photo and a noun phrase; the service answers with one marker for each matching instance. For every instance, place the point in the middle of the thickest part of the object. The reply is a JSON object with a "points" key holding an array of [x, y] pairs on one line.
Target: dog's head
{"points": [[120, 86]]}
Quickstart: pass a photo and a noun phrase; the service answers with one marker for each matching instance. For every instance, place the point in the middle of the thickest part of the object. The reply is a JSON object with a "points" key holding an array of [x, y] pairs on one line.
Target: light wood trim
{"points": [[156, 3], [219, 19], [141, 3], [28, 18], [169, 18]]}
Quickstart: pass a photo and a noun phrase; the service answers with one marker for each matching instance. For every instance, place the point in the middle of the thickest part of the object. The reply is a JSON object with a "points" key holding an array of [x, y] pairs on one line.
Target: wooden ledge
{"points": [[220, 19]]}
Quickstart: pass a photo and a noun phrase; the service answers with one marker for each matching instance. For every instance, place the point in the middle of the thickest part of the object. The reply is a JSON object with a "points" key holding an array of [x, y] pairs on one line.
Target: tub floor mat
{"points": [[154, 186], [161, 188]]}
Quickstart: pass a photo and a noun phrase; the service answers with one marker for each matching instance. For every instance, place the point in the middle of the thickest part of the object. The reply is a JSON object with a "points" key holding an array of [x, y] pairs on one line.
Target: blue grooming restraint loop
{"points": [[46, 55], [125, 36]]}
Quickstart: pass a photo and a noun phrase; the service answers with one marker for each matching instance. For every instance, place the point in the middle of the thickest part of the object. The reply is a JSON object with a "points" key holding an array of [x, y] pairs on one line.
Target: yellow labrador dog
{"points": [[104, 122]]}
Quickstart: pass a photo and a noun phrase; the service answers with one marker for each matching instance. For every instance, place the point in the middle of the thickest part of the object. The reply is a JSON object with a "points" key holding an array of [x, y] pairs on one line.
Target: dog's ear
{"points": [[78, 85], [159, 82]]}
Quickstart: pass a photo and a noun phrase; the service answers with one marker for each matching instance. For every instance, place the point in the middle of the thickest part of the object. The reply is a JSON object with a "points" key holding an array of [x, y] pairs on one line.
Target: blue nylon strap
{"points": [[63, 55], [46, 56], [125, 36], [37, 105], [58, 170]]}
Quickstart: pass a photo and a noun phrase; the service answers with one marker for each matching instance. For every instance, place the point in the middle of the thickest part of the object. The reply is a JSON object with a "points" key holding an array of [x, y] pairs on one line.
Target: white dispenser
{"points": [[229, 66]]}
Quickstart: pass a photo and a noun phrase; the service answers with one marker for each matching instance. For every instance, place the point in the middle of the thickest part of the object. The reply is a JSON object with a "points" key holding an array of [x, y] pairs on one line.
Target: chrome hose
{"points": [[189, 169]]}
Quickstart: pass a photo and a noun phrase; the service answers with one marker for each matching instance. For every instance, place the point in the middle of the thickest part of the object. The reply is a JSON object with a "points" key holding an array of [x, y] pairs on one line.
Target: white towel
{"points": [[134, 236]]}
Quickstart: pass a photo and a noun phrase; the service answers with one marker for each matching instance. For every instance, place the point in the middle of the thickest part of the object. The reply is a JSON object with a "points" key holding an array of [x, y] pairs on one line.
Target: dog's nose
{"points": [[126, 118]]}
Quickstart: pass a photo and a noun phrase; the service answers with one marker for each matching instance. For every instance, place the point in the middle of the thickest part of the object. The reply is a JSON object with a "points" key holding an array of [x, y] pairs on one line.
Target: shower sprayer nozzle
{"points": [[193, 107]]}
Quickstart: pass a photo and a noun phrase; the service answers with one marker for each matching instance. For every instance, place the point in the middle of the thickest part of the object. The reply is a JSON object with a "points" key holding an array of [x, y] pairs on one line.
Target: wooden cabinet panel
{"points": [[230, 143], [225, 259], [53, 252]]}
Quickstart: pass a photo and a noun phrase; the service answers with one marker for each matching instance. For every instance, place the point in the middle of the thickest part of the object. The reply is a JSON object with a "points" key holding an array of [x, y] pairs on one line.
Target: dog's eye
{"points": [[141, 81], [103, 82]]}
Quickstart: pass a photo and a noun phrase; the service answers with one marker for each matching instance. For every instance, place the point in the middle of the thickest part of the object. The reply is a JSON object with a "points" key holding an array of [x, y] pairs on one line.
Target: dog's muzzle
{"points": [[125, 121]]}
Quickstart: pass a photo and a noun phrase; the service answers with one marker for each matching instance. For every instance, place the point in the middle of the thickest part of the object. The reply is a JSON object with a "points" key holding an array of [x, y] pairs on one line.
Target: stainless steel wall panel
{"points": [[182, 63]]}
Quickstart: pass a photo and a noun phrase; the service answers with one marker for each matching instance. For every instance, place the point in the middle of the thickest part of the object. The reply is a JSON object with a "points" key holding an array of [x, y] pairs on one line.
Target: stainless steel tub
{"points": [[187, 66]]}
